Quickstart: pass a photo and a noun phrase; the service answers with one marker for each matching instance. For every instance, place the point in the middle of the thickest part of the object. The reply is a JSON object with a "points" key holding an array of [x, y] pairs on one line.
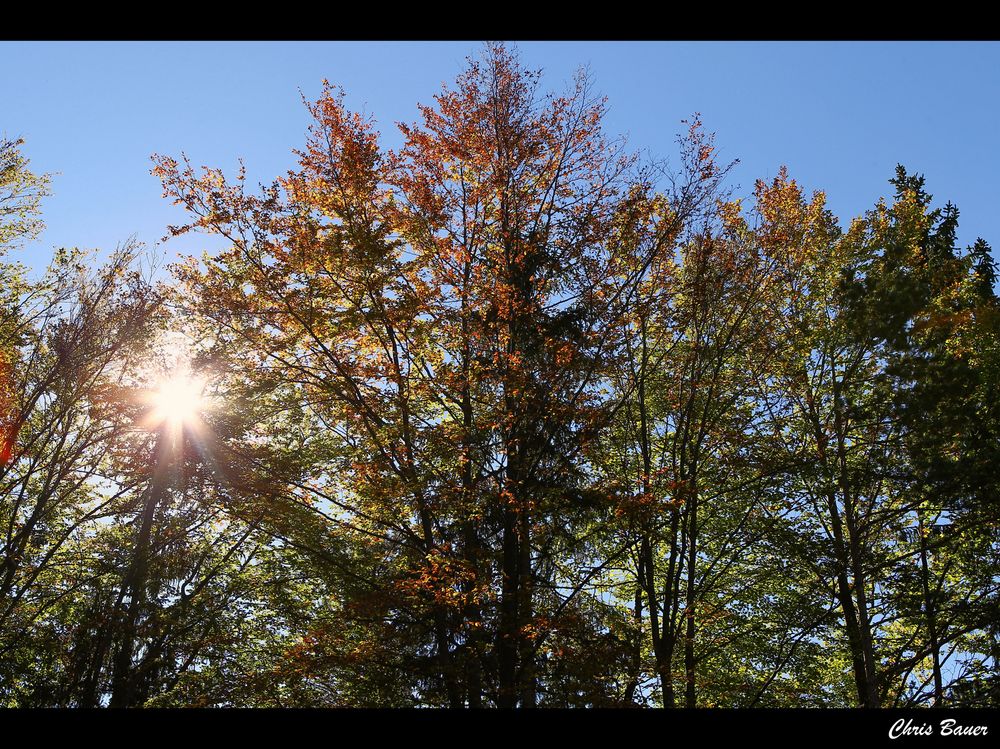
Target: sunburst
{"points": [[178, 401]]}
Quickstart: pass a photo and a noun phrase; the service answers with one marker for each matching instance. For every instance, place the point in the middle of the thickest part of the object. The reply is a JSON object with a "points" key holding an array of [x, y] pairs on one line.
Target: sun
{"points": [[178, 400]]}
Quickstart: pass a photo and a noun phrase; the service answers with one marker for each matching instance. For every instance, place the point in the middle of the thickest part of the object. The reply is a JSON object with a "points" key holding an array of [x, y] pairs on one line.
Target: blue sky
{"points": [[839, 115]]}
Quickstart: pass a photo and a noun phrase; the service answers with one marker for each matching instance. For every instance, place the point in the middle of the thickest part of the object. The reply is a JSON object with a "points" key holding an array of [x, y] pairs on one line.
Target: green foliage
{"points": [[21, 194]]}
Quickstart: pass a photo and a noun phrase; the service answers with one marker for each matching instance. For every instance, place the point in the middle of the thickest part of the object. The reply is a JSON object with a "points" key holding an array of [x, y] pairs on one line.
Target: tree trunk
{"points": [[508, 627], [134, 583], [930, 612], [689, 601]]}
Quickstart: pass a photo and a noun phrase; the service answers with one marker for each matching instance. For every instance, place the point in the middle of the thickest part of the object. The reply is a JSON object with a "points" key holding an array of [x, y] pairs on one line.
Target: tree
{"points": [[442, 314], [21, 194], [932, 310], [74, 335], [503, 417]]}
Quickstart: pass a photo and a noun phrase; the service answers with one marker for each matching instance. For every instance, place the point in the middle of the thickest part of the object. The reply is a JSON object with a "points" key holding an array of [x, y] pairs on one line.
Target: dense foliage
{"points": [[504, 417]]}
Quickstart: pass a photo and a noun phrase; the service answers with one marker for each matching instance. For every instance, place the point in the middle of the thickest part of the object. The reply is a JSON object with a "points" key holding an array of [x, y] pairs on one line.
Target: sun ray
{"points": [[176, 404], [178, 400]]}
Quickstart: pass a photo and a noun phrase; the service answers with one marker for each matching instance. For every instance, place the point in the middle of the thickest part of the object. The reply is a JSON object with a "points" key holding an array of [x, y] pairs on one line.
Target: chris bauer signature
{"points": [[947, 727]]}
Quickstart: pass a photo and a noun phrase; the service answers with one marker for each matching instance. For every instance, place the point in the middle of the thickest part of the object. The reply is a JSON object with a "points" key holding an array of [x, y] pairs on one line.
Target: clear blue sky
{"points": [[839, 115]]}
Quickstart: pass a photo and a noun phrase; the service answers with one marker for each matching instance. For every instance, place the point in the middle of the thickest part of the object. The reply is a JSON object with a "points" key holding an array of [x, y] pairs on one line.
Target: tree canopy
{"points": [[506, 416]]}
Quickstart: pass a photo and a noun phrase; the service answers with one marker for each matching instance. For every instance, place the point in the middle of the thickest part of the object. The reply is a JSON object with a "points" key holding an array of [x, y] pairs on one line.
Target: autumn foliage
{"points": [[510, 417]]}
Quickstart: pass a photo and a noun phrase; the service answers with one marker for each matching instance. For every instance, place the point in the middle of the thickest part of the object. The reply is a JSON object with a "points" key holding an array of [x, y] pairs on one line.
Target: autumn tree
{"points": [[865, 315], [443, 313], [503, 416]]}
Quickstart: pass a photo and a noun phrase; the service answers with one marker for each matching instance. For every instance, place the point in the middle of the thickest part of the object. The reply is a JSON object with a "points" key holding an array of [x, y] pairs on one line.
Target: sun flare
{"points": [[178, 400]]}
